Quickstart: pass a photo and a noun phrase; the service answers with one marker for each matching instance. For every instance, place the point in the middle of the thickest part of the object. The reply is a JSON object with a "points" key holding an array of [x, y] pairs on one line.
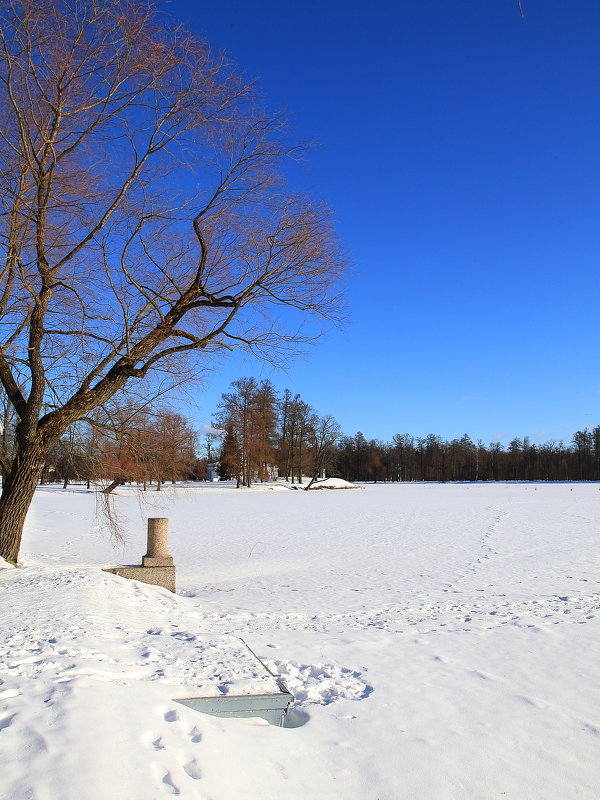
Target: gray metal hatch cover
{"points": [[271, 707]]}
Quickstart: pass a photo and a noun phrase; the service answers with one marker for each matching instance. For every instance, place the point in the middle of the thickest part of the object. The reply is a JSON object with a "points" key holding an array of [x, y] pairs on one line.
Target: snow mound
{"points": [[320, 683], [334, 483]]}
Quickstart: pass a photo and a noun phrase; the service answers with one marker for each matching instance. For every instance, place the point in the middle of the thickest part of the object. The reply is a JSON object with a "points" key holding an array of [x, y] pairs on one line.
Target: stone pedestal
{"points": [[158, 544], [157, 565]]}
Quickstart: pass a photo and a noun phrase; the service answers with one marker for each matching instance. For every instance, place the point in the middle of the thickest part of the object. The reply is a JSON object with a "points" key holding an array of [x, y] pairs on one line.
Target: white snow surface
{"points": [[442, 642]]}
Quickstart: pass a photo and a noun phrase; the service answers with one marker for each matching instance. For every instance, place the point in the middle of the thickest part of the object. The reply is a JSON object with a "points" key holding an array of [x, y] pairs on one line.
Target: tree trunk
{"points": [[17, 494], [112, 486], [312, 480]]}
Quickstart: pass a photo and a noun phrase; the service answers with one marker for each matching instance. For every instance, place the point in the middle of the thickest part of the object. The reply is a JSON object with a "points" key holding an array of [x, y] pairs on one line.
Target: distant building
{"points": [[272, 472]]}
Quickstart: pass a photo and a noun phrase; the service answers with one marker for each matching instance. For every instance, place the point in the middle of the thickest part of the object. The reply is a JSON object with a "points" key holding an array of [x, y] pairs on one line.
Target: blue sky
{"points": [[460, 153]]}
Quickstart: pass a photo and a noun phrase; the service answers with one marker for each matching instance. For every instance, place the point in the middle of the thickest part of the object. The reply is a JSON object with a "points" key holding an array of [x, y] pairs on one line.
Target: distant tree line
{"points": [[260, 434], [264, 430], [431, 458]]}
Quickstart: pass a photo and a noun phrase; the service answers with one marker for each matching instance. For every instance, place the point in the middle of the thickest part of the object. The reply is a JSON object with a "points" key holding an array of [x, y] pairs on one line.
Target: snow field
{"points": [[441, 641]]}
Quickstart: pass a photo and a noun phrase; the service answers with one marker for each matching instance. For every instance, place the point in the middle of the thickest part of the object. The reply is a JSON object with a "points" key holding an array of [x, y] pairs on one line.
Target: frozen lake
{"points": [[441, 640]]}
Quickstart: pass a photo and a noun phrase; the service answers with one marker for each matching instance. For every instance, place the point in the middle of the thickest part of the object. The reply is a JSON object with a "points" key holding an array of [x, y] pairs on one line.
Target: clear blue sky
{"points": [[461, 155]]}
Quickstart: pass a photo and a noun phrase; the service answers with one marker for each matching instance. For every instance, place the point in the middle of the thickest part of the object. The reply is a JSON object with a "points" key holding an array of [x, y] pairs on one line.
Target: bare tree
{"points": [[295, 428], [125, 445], [325, 432], [249, 417], [143, 219], [174, 445]]}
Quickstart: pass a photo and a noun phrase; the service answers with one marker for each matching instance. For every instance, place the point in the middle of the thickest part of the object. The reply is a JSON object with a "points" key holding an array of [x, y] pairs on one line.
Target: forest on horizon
{"points": [[259, 434]]}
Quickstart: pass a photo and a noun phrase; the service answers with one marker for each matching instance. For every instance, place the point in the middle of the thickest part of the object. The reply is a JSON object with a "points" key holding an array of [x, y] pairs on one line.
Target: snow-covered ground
{"points": [[442, 641]]}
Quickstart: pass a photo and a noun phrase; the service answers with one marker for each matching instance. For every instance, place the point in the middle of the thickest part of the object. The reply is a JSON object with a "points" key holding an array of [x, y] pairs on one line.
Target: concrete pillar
{"points": [[158, 544]]}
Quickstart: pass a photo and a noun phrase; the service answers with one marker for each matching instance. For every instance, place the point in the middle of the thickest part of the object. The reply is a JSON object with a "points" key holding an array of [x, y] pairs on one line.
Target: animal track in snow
{"points": [[486, 550]]}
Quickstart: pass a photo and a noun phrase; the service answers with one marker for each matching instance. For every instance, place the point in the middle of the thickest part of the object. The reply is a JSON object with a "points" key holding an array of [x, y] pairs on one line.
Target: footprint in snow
{"points": [[195, 735], [168, 781], [7, 722], [169, 753], [193, 770]]}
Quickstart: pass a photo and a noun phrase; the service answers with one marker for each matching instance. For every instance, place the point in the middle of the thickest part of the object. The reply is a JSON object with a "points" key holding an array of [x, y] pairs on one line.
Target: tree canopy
{"points": [[144, 219]]}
